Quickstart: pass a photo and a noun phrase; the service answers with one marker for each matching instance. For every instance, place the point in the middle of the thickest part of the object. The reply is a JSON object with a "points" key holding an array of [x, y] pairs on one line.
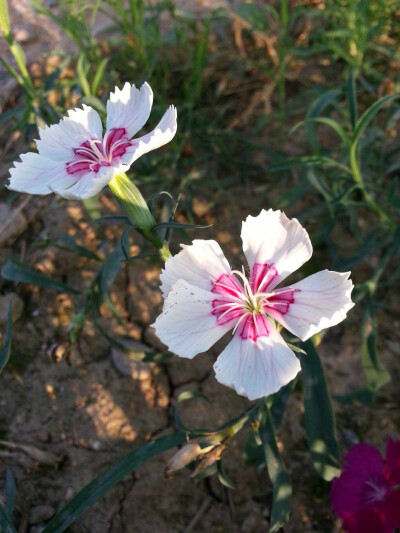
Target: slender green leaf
{"points": [[178, 225], [17, 271], [15, 112], [279, 400], [328, 122], [106, 480], [156, 195], [281, 483], [223, 476], [316, 108], [157, 357], [99, 75], [124, 220], [141, 256], [75, 248], [10, 492], [5, 351], [363, 396], [81, 71], [109, 269], [369, 114], [4, 18], [376, 374], [352, 98], [5, 524], [318, 415], [308, 160]]}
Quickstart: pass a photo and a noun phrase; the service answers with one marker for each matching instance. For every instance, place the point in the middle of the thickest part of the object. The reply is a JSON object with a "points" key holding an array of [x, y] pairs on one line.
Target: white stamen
{"points": [[238, 322], [240, 296]]}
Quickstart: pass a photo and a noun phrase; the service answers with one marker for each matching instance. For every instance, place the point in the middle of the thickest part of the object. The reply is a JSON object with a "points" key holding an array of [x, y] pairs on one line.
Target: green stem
{"points": [[355, 169], [138, 212], [165, 252]]}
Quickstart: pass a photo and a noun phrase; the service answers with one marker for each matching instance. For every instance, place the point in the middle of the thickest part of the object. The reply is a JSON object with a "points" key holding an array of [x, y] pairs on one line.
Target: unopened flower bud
{"points": [[209, 458], [187, 454]]}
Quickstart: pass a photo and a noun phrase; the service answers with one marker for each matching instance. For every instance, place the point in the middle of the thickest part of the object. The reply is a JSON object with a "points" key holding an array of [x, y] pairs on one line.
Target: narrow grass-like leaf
{"points": [[328, 122], [316, 108], [5, 351], [99, 75], [369, 114], [140, 256], [5, 523], [282, 486], [351, 96], [10, 492], [223, 476], [375, 373], [75, 248], [117, 218], [17, 271], [81, 71], [109, 269], [318, 415], [279, 400], [179, 225], [4, 18], [308, 160], [106, 480]]}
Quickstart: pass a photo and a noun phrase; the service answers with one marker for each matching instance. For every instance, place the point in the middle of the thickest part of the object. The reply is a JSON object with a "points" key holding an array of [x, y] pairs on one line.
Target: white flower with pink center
{"points": [[75, 159], [204, 299]]}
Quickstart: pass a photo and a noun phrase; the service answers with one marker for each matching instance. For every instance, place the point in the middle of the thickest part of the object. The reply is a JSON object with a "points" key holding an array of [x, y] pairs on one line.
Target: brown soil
{"points": [[87, 414]]}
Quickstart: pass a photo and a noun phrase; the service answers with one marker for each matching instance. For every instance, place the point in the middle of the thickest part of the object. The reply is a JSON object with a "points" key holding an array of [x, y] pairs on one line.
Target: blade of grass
{"points": [[318, 415], [106, 480], [17, 271], [5, 351], [282, 486]]}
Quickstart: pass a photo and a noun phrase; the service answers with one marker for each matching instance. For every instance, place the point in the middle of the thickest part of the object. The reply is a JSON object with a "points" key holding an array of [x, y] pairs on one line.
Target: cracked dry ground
{"points": [[89, 415]]}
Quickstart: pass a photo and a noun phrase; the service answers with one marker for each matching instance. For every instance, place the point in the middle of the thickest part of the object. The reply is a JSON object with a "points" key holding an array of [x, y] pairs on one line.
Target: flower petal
{"points": [[271, 239], [318, 302], [392, 510], [368, 520], [57, 141], [257, 368], [90, 184], [36, 174], [392, 464], [200, 264], [187, 325], [129, 108], [361, 462], [162, 134]]}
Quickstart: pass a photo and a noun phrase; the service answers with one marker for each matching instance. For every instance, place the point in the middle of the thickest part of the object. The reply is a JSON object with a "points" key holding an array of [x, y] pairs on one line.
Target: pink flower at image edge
{"points": [[366, 496]]}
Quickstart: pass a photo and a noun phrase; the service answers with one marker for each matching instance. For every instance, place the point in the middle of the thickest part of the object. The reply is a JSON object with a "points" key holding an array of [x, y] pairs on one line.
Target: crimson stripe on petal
{"points": [[261, 276], [78, 166], [280, 301], [228, 286], [254, 326], [114, 136]]}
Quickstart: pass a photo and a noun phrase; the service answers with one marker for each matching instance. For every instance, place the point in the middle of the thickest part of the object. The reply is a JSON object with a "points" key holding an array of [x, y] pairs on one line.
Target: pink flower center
{"points": [[93, 154], [247, 304], [375, 489]]}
